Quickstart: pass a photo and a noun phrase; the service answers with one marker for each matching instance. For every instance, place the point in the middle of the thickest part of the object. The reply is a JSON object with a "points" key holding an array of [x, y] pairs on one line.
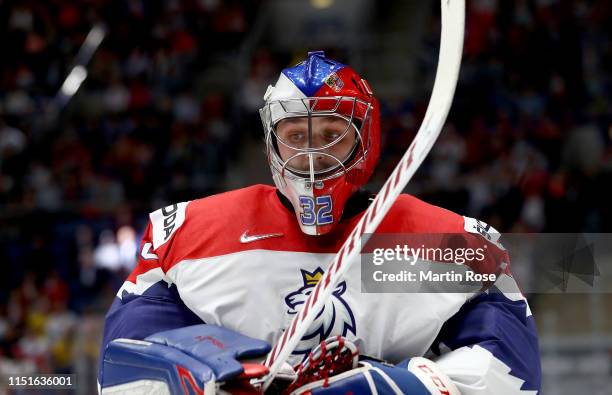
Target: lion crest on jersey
{"points": [[336, 317]]}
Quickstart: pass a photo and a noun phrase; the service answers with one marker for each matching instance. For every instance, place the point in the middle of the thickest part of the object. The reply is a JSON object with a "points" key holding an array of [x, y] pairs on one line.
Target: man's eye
{"points": [[331, 136], [296, 137]]}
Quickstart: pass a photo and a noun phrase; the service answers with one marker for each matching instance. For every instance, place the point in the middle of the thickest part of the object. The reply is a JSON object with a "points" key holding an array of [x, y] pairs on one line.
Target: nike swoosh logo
{"points": [[245, 238]]}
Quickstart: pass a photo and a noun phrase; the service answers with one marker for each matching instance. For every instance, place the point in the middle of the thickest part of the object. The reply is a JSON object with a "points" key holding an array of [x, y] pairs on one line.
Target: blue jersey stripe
{"points": [[158, 309], [502, 327]]}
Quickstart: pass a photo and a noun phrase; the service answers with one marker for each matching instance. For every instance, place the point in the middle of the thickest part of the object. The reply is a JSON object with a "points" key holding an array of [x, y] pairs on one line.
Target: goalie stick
{"points": [[451, 48]]}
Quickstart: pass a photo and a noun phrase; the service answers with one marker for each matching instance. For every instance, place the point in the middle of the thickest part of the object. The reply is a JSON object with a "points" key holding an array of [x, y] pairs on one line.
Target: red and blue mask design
{"points": [[322, 129]]}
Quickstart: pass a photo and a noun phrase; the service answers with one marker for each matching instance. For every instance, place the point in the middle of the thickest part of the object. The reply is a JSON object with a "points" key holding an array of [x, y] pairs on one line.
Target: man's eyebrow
{"points": [[291, 120]]}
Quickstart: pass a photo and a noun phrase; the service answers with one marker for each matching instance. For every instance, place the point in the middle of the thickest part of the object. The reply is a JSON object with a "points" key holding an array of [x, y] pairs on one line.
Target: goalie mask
{"points": [[322, 132]]}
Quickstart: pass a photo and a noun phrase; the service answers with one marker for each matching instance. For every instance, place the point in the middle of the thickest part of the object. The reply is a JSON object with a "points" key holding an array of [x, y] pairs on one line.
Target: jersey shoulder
{"points": [[247, 199], [207, 214], [410, 214]]}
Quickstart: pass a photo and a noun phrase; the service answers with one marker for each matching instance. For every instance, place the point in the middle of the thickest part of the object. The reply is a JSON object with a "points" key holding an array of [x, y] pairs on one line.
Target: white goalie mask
{"points": [[322, 138]]}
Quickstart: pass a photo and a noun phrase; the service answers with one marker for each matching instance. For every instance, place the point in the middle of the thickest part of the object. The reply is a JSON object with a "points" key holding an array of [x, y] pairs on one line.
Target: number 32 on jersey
{"points": [[316, 211]]}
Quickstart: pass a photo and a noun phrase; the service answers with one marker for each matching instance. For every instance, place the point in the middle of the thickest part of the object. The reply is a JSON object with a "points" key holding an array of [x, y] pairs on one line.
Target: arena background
{"points": [[161, 106]]}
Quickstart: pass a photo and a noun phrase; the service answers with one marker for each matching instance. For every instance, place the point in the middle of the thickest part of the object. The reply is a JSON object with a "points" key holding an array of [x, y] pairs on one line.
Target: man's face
{"points": [[325, 130]]}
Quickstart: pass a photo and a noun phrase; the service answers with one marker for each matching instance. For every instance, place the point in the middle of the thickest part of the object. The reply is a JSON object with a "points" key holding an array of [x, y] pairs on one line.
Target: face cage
{"points": [[275, 111]]}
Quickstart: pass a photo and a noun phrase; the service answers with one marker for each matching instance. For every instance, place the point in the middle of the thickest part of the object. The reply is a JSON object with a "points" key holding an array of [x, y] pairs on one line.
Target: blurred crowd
{"points": [[527, 146], [76, 182]]}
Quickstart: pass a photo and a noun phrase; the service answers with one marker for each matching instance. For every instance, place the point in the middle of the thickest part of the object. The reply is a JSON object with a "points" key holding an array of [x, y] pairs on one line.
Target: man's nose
{"points": [[318, 140], [322, 161]]}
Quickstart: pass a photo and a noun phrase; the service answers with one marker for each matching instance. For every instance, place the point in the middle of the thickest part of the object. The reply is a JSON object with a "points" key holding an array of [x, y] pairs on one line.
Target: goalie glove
{"points": [[333, 368], [192, 360]]}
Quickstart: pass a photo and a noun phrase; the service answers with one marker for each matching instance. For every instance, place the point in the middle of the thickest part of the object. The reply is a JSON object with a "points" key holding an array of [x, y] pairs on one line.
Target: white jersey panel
{"points": [[143, 282], [483, 373], [256, 292]]}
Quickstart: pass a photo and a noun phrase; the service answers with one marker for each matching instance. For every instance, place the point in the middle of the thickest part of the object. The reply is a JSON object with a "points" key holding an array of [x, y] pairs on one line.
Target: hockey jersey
{"points": [[240, 260]]}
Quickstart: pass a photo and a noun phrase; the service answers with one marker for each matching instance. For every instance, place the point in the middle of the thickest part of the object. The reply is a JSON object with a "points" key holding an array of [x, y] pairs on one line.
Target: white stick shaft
{"points": [[451, 48]]}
